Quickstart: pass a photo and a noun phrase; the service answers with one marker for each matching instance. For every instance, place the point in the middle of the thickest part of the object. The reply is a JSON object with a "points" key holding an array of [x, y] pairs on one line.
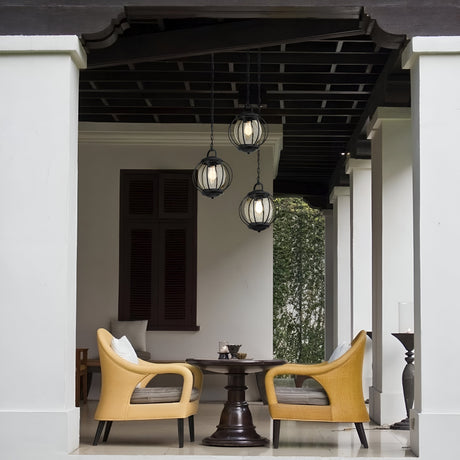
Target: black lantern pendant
{"points": [[212, 175], [257, 210], [248, 131]]}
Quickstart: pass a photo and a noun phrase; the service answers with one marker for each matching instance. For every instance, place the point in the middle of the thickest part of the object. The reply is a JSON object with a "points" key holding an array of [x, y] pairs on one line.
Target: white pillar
{"points": [[329, 283], [340, 199], [392, 256], [38, 193], [361, 256], [435, 76]]}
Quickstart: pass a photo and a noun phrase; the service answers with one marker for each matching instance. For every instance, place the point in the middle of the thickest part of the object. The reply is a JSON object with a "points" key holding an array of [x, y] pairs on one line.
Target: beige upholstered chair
{"points": [[124, 395], [337, 398]]}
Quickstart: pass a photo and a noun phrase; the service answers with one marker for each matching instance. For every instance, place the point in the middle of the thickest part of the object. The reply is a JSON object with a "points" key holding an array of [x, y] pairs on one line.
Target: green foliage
{"points": [[298, 282]]}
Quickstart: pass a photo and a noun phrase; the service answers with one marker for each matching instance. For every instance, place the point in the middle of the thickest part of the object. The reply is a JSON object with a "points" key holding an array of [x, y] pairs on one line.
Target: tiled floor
{"points": [[297, 439]]}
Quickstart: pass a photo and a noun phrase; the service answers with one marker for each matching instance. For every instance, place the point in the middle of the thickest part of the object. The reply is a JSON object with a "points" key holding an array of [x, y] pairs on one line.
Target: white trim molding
{"points": [[428, 45], [45, 44], [174, 134]]}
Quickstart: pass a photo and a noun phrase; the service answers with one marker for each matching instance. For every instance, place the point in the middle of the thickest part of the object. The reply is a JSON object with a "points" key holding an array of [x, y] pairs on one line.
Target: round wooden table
{"points": [[235, 428]]}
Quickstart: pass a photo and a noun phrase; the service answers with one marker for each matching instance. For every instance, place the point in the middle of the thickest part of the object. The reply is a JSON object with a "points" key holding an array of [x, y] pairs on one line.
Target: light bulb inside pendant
{"points": [[248, 129], [258, 211], [212, 177]]}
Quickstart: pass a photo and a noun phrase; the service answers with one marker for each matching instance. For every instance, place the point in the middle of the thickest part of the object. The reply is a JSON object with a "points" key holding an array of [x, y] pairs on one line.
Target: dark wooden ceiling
{"points": [[320, 78]]}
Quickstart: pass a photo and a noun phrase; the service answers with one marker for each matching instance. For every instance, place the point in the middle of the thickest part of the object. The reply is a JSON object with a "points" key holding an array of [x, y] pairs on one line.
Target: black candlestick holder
{"points": [[407, 339]]}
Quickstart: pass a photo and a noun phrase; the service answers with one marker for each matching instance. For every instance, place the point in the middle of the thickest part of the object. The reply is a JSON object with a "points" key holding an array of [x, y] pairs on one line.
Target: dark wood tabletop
{"points": [[235, 366]]}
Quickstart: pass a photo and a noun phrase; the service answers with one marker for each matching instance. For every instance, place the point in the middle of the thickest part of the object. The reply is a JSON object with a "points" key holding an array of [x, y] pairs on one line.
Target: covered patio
{"points": [[362, 104]]}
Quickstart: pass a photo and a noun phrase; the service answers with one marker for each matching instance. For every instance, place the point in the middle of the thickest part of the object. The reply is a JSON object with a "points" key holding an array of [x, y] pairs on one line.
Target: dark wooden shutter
{"points": [[177, 274], [176, 196], [158, 249]]}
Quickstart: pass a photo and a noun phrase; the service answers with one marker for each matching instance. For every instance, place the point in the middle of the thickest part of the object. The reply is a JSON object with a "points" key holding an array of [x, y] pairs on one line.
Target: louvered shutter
{"points": [[176, 196], [177, 274], [158, 249]]}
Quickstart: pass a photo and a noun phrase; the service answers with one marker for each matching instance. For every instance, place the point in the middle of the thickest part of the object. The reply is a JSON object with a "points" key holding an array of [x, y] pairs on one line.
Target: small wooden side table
{"points": [[81, 375]]}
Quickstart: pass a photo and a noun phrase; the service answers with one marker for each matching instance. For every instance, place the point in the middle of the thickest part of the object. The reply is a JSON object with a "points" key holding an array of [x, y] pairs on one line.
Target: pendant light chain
{"points": [[258, 166], [259, 66], [212, 102], [248, 70]]}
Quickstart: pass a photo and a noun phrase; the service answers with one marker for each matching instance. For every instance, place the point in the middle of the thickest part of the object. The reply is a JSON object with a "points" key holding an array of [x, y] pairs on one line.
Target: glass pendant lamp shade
{"points": [[212, 175], [257, 210], [248, 131]]}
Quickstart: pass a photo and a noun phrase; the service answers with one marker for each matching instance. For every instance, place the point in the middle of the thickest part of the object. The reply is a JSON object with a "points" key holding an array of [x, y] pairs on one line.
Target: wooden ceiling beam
{"points": [[300, 78], [88, 95], [298, 58], [147, 110], [227, 36], [377, 98]]}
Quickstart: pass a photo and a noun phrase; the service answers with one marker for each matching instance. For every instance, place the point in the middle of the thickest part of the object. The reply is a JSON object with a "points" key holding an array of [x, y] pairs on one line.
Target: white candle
{"points": [[406, 317]]}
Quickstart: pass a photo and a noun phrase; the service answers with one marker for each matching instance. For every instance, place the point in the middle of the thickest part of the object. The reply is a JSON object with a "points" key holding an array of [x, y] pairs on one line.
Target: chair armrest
{"points": [[149, 370], [338, 378], [297, 369]]}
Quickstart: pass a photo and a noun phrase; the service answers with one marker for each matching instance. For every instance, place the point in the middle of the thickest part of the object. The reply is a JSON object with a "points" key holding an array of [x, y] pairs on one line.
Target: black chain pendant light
{"points": [[212, 175], [248, 131], [257, 210]]}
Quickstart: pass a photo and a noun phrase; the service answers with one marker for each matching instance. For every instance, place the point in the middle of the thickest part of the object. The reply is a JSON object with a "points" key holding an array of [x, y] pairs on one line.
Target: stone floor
{"points": [[149, 439]]}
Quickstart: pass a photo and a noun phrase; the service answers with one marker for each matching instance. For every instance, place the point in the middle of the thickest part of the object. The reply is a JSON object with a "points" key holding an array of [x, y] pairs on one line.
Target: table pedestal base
{"points": [[235, 428]]}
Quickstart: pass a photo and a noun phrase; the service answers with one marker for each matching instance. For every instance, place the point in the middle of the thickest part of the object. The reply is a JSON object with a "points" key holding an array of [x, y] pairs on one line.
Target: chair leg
{"points": [[107, 431], [100, 427], [361, 434], [85, 388], [180, 431], [191, 428], [77, 390], [276, 433]]}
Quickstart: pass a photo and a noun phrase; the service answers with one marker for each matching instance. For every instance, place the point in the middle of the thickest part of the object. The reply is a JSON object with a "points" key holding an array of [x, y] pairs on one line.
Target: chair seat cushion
{"points": [[160, 395], [302, 396]]}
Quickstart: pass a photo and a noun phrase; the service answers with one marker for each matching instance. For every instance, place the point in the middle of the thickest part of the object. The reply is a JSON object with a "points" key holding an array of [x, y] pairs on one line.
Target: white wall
{"points": [[234, 281]]}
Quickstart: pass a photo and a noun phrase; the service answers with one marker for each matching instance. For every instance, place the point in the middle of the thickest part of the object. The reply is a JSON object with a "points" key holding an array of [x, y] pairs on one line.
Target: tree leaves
{"points": [[298, 282]]}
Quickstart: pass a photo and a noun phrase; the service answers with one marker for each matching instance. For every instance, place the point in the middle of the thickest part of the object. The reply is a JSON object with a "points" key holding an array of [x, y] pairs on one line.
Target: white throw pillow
{"points": [[123, 348], [134, 330], [339, 351]]}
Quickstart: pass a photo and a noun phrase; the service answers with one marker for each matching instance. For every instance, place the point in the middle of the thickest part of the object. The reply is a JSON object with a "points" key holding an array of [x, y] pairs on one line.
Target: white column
{"points": [[361, 256], [435, 76], [329, 283], [340, 199], [392, 256], [38, 193]]}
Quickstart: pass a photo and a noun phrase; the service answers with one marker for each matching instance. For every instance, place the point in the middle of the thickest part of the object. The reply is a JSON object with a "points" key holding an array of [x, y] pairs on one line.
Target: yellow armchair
{"points": [[339, 400], [124, 395]]}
